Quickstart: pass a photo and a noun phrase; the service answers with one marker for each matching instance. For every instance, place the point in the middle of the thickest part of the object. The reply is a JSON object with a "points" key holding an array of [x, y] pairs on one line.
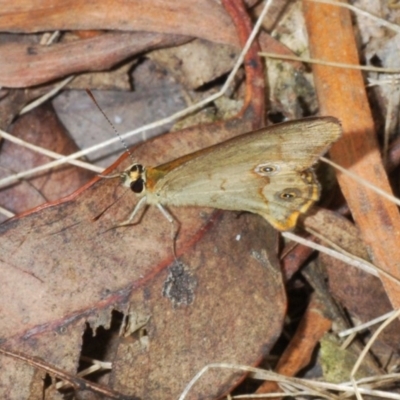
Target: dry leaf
{"points": [[63, 265]]}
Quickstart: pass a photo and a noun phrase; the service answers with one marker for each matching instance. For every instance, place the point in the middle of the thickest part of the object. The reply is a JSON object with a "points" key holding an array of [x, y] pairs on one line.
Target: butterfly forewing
{"points": [[265, 172]]}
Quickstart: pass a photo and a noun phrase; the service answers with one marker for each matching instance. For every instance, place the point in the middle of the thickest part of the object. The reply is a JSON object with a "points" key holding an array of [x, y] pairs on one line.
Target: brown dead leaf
{"points": [[63, 265], [25, 65], [205, 19], [244, 307]]}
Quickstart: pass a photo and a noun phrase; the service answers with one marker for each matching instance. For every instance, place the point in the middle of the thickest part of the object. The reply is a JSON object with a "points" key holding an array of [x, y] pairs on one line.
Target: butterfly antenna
{"points": [[89, 92]]}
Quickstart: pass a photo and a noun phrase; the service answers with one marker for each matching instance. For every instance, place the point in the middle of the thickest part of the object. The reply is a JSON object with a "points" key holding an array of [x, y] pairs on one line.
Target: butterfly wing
{"points": [[265, 172]]}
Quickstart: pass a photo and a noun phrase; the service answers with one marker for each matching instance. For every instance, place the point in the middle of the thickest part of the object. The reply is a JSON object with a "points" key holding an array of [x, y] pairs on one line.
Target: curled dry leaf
{"points": [[162, 16], [25, 65]]}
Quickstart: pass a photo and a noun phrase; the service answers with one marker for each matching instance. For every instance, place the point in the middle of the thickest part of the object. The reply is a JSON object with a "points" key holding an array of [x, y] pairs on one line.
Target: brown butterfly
{"points": [[266, 172]]}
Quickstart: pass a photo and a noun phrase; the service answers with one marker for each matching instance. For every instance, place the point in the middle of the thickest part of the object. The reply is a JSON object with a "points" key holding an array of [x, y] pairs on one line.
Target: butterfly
{"points": [[267, 172]]}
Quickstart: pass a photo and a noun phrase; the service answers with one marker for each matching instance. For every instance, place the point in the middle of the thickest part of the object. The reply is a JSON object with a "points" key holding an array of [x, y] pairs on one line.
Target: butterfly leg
{"points": [[139, 207], [175, 225], [166, 213]]}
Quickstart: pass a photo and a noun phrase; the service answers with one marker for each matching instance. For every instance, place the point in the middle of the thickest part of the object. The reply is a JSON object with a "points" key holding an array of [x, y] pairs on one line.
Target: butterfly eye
{"points": [[267, 169], [289, 194], [137, 186]]}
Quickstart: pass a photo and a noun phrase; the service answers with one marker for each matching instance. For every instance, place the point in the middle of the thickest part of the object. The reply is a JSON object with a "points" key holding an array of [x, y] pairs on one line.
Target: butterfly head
{"points": [[134, 177]]}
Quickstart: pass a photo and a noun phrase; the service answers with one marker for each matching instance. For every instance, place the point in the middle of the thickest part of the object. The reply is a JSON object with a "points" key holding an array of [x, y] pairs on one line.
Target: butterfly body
{"points": [[267, 172]]}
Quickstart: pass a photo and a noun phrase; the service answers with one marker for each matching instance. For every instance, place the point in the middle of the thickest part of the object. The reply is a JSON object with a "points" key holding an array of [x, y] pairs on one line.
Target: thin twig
{"points": [[362, 181], [308, 60], [379, 21], [372, 340], [48, 153], [6, 212], [366, 325], [45, 97]]}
